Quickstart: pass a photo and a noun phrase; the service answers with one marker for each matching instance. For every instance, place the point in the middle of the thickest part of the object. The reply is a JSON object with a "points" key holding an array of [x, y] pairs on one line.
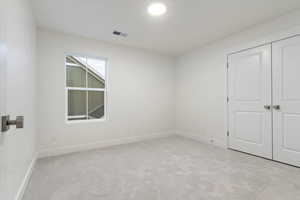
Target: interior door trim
{"points": [[262, 44]]}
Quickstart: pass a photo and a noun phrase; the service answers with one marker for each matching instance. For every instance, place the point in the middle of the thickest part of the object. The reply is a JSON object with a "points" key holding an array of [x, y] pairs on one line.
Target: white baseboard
{"points": [[198, 137], [100, 144], [26, 179]]}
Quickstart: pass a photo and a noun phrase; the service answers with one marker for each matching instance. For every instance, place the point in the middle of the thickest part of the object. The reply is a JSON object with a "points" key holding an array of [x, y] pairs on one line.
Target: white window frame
{"points": [[105, 90]]}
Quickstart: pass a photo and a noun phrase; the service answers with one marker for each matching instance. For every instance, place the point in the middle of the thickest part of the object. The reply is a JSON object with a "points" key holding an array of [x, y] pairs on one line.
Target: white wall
{"points": [[200, 79], [17, 147], [140, 98]]}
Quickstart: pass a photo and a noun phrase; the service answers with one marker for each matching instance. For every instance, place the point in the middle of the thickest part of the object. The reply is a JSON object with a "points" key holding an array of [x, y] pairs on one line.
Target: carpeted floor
{"points": [[173, 168]]}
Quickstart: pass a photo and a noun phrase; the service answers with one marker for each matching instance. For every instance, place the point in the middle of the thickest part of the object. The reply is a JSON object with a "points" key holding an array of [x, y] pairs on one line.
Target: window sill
{"points": [[85, 121]]}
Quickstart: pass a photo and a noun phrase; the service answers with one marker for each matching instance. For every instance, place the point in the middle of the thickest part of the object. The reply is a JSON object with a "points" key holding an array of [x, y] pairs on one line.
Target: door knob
{"points": [[267, 107], [6, 122], [276, 107]]}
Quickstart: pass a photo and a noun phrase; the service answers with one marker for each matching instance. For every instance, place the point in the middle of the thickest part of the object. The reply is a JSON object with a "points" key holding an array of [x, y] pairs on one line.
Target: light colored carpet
{"points": [[172, 168]]}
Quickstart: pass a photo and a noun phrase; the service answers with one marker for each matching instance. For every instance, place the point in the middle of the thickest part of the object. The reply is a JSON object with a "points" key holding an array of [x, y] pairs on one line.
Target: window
{"points": [[85, 88]]}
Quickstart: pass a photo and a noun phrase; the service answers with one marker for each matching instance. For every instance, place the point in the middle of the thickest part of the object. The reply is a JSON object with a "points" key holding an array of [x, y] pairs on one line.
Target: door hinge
{"points": [[227, 99], [227, 133], [227, 65]]}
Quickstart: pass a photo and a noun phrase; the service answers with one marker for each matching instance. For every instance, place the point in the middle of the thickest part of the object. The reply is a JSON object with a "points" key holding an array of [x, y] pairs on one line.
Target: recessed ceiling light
{"points": [[157, 9]]}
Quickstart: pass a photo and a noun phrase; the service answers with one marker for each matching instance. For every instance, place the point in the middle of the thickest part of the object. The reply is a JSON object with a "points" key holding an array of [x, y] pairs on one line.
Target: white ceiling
{"points": [[186, 25]]}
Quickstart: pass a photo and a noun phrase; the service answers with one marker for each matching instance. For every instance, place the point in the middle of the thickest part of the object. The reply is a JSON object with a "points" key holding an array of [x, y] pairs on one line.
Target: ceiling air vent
{"points": [[118, 33]]}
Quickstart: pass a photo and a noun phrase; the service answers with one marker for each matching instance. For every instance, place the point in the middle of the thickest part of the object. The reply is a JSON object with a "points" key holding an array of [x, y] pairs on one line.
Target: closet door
{"points": [[249, 92], [286, 100]]}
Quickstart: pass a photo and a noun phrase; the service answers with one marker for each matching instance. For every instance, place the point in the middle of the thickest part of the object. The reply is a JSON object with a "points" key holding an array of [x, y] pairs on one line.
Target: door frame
{"points": [[3, 54], [270, 41]]}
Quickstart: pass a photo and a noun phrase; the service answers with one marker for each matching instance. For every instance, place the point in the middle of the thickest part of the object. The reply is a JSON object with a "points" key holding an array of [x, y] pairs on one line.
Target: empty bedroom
{"points": [[149, 100]]}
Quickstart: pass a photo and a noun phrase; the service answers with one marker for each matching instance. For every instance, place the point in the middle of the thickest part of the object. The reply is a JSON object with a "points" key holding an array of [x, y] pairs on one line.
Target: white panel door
{"points": [[249, 91], [16, 95], [286, 94]]}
